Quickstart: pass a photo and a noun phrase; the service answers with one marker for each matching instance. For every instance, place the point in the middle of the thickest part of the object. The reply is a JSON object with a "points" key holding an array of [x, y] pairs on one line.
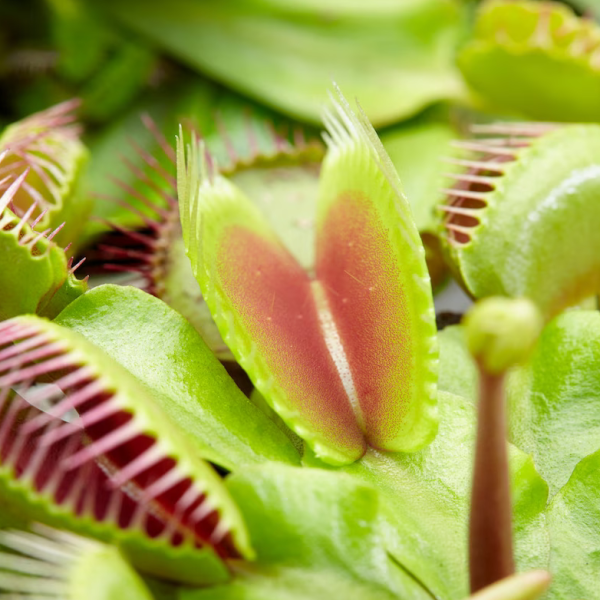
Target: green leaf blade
{"points": [[163, 351]]}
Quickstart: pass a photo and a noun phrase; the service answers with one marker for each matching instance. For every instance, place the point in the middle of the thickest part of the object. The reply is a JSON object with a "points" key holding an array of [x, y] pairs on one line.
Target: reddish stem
{"points": [[490, 536]]}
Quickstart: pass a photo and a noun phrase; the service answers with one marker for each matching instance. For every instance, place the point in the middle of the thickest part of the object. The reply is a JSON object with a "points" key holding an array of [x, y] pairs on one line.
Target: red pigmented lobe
{"points": [[273, 296], [363, 283]]}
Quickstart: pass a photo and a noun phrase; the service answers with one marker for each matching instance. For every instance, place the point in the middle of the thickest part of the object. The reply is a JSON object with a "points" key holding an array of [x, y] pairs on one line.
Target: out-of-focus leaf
{"points": [[82, 40], [535, 58], [416, 149], [118, 82], [457, 371], [287, 60]]}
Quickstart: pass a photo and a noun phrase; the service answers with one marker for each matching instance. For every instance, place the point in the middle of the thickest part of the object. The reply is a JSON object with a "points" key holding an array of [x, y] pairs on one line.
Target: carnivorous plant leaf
{"points": [[120, 471], [150, 340], [415, 148], [348, 358], [535, 58], [47, 146], [522, 220], [36, 276], [265, 164]]}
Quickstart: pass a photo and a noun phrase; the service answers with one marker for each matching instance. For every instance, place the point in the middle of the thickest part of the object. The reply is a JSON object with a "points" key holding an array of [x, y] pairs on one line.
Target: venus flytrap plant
{"points": [[36, 276], [120, 471], [109, 413], [47, 146], [527, 194], [149, 339], [302, 340], [257, 293], [265, 162]]}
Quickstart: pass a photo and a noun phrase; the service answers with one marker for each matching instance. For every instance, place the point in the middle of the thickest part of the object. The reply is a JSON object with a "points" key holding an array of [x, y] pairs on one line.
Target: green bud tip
{"points": [[502, 332]]}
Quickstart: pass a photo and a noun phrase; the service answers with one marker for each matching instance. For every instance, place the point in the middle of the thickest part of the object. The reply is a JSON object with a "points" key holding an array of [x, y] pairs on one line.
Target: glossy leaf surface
{"points": [[164, 352], [314, 532], [554, 399], [427, 497], [49, 469]]}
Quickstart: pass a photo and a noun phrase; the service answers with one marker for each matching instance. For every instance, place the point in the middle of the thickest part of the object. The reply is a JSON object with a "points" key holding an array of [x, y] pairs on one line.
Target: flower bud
{"points": [[502, 332]]}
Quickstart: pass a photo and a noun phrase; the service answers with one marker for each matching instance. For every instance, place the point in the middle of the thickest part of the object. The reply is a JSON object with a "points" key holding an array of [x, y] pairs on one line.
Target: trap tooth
{"points": [[481, 147], [528, 129], [118, 461], [467, 178], [469, 195]]}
